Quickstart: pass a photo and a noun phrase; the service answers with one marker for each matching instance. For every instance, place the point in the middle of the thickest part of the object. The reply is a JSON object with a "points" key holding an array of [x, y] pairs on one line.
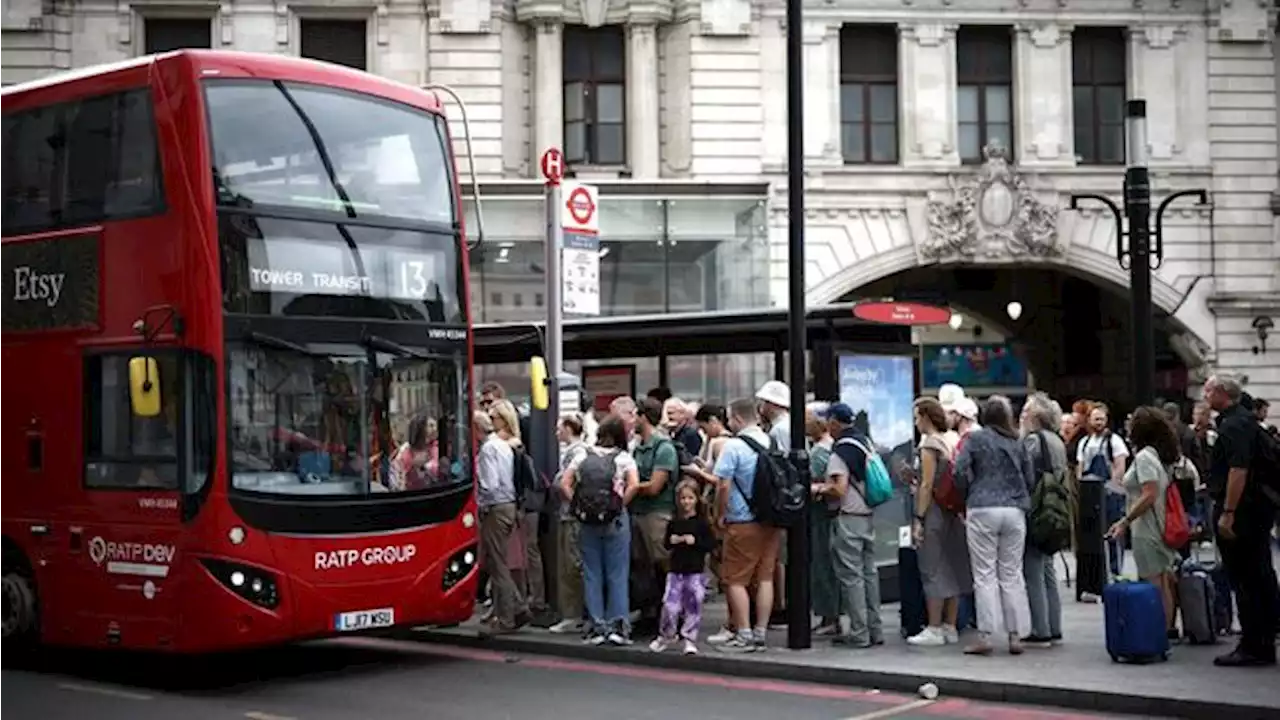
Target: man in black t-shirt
{"points": [[1243, 518]]}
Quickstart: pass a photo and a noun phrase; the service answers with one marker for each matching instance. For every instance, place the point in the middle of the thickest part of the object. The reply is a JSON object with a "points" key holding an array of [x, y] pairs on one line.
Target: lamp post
{"points": [[798, 617], [1144, 250]]}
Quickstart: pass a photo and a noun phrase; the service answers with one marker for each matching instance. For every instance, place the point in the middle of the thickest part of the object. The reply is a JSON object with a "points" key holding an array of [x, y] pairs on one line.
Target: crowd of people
{"points": [[653, 509]]}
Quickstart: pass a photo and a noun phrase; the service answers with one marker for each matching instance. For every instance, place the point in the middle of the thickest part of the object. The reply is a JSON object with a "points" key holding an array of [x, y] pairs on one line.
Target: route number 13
{"points": [[413, 279]]}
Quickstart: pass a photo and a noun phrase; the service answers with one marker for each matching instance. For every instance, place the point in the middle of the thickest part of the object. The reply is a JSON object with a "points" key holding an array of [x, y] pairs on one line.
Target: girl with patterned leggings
{"points": [[688, 538]]}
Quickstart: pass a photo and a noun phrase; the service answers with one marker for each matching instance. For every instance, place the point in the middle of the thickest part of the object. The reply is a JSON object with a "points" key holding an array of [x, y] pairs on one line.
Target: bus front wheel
{"points": [[21, 611]]}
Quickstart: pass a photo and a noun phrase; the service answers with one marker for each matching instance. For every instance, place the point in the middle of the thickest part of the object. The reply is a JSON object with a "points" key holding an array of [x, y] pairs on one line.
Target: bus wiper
{"points": [[263, 339], [374, 342]]}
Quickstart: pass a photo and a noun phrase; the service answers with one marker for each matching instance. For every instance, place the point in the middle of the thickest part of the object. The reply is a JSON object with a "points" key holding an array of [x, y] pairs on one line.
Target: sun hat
{"points": [[775, 392]]}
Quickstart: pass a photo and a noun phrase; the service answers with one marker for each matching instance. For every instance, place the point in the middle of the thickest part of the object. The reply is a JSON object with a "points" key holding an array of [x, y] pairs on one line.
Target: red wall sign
{"points": [[901, 313]]}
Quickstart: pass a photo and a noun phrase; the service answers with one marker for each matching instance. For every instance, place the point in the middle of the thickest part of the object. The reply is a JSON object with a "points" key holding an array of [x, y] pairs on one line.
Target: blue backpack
{"points": [[879, 486]]}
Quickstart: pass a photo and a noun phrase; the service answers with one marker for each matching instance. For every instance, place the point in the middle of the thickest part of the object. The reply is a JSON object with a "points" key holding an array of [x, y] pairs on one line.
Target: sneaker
{"points": [[722, 637], [950, 634], [659, 645], [690, 648], [1035, 641], [564, 627], [740, 642], [759, 641], [928, 637], [1090, 598], [1055, 639], [618, 638], [850, 642], [595, 638]]}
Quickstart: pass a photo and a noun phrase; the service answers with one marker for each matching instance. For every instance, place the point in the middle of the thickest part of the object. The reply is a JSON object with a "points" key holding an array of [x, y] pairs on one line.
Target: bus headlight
{"points": [[458, 567], [253, 584]]}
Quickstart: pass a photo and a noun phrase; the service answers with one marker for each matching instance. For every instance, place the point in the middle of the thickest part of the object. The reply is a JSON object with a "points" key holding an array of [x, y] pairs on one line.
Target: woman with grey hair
{"points": [[1040, 420], [994, 473]]}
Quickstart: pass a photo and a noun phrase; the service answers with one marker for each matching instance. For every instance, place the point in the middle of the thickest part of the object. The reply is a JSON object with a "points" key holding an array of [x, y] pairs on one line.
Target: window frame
{"points": [[984, 39], [93, 418], [200, 15], [1098, 40], [62, 168], [596, 40], [364, 18], [867, 80]]}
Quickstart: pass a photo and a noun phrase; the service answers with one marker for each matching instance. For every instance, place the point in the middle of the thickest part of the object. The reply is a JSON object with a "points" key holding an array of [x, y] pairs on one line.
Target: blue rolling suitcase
{"points": [[1136, 627]]}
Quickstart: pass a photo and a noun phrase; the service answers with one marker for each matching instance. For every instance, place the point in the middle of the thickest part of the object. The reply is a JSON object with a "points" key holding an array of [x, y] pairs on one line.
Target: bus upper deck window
{"points": [[144, 386]]}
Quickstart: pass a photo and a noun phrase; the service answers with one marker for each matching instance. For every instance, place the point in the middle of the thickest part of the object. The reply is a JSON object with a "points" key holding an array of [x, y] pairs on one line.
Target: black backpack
{"points": [[595, 501], [1265, 468], [780, 496], [531, 493]]}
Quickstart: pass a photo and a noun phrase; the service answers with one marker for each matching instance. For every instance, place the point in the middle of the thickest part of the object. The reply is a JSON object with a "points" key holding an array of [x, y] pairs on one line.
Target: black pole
{"points": [[798, 630], [1137, 209]]}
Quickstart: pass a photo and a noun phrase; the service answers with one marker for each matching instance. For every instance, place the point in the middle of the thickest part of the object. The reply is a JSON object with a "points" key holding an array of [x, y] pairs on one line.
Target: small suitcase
{"points": [[910, 593], [1135, 624], [1196, 599]]}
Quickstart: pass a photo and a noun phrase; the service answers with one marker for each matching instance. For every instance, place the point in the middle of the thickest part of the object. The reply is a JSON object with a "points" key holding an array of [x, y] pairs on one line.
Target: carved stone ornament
{"points": [[992, 214]]}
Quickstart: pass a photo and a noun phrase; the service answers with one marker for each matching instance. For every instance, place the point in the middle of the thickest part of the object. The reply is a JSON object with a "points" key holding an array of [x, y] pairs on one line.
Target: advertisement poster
{"points": [[989, 366], [881, 391], [606, 383]]}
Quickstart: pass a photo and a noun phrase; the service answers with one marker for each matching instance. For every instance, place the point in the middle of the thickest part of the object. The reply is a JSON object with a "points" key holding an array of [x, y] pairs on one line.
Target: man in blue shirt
{"points": [[750, 547]]}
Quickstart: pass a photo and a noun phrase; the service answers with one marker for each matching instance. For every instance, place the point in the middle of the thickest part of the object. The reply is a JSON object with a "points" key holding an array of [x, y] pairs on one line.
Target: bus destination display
{"points": [[311, 268]]}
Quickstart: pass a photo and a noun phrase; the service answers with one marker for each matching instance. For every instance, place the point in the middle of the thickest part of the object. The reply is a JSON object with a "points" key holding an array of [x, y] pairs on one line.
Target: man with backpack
{"points": [[750, 546], [854, 495]]}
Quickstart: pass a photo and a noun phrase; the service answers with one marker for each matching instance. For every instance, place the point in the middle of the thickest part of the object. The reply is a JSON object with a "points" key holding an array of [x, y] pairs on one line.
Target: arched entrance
{"points": [[980, 237], [1073, 332]]}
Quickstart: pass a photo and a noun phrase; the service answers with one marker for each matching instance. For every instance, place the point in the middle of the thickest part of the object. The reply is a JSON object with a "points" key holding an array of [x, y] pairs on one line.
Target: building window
{"points": [[81, 162], [984, 98], [1098, 69], [594, 95], [496, 299], [869, 94], [165, 34], [342, 42]]}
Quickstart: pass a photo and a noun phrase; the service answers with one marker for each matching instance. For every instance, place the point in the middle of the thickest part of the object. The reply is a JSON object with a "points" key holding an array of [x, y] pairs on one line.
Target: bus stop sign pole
{"points": [[553, 171]]}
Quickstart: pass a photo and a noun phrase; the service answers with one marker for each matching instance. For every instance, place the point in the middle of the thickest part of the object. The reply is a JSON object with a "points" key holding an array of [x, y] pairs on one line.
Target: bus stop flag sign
{"points": [[580, 254]]}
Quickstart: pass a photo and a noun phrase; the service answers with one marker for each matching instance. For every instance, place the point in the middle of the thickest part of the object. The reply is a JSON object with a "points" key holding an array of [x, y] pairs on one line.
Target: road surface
{"points": [[367, 679]]}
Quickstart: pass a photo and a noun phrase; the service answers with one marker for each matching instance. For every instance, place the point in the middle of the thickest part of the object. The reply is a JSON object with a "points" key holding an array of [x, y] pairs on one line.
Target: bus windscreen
{"points": [[294, 145], [320, 419]]}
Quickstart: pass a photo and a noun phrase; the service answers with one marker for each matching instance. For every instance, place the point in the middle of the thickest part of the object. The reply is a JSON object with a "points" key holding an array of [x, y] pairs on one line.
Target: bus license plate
{"points": [[364, 619]]}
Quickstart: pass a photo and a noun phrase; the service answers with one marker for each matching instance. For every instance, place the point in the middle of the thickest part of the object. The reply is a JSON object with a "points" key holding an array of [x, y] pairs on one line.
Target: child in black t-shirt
{"points": [[688, 538]]}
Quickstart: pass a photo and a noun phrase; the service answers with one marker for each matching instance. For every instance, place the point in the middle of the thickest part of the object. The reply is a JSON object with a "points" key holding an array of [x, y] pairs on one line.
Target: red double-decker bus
{"points": [[236, 356]]}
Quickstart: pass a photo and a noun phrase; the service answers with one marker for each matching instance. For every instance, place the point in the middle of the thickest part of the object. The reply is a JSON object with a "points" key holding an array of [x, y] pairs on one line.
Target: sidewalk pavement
{"points": [[1077, 674]]}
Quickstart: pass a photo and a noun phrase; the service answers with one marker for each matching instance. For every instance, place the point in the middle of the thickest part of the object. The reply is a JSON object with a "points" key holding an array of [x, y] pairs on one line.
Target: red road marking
{"points": [[955, 708]]}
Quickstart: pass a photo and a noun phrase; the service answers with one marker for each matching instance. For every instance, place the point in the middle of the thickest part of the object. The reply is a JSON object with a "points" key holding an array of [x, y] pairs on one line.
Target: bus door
{"points": [[126, 540]]}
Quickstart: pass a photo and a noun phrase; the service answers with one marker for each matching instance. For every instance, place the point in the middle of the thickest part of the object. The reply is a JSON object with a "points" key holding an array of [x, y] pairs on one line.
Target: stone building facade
{"points": [[937, 132]]}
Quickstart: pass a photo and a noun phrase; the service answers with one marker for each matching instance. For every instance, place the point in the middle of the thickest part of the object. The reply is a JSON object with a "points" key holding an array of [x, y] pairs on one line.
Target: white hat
{"points": [[967, 408], [949, 396], [775, 392]]}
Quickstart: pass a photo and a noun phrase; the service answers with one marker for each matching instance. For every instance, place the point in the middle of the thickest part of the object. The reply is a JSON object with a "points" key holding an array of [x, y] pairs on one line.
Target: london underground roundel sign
{"points": [[901, 313]]}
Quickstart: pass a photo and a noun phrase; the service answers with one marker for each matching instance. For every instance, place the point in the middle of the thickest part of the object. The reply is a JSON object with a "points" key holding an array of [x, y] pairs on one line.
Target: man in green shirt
{"points": [[658, 464]]}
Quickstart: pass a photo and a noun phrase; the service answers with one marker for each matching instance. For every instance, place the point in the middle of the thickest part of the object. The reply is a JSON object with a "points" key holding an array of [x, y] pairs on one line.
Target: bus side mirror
{"points": [[144, 386]]}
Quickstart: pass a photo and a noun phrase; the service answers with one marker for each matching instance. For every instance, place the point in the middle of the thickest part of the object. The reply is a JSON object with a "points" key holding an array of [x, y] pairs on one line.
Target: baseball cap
{"points": [[967, 408], [775, 392], [949, 396], [841, 413]]}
